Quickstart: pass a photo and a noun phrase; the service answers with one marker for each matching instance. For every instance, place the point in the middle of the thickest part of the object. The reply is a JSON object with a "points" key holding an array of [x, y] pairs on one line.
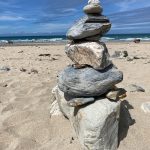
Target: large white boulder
{"points": [[96, 124]]}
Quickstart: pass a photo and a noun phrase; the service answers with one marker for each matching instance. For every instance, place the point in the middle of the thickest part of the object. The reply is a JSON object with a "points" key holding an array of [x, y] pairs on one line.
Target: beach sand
{"points": [[25, 98]]}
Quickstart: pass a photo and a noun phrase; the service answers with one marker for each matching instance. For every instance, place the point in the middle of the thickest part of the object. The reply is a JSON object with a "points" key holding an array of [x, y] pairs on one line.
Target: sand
{"points": [[25, 98]]}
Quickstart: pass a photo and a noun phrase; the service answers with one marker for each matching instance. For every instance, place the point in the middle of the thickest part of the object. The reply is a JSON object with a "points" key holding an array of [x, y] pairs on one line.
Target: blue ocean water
{"points": [[62, 38]]}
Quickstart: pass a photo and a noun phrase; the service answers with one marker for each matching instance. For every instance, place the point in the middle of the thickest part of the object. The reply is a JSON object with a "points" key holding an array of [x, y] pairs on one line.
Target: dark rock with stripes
{"points": [[86, 28]]}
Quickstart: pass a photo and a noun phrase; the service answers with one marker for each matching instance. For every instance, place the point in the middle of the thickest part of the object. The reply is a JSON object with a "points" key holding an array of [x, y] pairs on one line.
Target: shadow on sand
{"points": [[125, 120]]}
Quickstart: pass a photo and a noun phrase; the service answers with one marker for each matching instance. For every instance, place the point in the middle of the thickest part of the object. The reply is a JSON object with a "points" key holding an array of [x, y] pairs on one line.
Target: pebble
{"points": [[146, 107], [135, 88]]}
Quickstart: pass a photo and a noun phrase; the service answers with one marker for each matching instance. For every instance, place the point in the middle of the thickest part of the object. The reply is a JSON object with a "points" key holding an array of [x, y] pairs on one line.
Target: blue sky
{"points": [[47, 16]]}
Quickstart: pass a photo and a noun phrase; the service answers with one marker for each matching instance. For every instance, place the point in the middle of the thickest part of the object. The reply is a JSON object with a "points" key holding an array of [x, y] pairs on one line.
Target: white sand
{"points": [[25, 98]]}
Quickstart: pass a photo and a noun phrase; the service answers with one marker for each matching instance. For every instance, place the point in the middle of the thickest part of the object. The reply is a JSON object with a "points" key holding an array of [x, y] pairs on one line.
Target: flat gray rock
{"points": [[146, 107], [97, 18], [96, 124], [94, 54], [84, 29], [88, 82]]}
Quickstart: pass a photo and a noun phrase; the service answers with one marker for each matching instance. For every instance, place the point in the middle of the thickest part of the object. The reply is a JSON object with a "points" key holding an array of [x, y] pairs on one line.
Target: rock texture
{"points": [[88, 81], [97, 18], [75, 102], [84, 29], [62, 102], [120, 54], [55, 110], [96, 125], [93, 9], [94, 54], [116, 94]]}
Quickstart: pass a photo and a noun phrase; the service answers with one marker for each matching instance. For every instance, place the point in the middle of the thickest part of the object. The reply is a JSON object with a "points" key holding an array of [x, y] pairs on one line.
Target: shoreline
{"points": [[63, 43]]}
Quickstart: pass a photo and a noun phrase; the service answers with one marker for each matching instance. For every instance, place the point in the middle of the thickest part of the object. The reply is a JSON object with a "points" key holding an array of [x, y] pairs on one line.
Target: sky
{"points": [[57, 16]]}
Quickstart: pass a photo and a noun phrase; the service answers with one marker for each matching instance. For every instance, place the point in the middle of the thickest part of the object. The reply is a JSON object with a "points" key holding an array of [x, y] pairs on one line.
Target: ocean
{"points": [[62, 38]]}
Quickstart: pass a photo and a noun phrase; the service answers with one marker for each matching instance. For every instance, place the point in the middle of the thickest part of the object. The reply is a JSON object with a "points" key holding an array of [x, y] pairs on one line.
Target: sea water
{"points": [[62, 38]]}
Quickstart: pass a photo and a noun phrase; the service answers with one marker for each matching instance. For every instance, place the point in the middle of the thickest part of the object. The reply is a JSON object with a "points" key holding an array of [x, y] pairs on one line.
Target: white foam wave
{"points": [[132, 39], [105, 39], [33, 40], [3, 41]]}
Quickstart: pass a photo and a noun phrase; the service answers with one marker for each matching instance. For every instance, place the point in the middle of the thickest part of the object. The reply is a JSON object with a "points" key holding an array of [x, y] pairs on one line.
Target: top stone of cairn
{"points": [[93, 7]]}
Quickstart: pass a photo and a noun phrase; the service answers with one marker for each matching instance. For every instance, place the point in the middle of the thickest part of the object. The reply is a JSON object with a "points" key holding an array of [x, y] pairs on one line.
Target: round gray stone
{"points": [[93, 9]]}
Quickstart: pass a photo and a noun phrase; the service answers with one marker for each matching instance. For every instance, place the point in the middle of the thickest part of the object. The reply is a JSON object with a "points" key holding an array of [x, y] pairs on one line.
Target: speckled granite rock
{"points": [[94, 54]]}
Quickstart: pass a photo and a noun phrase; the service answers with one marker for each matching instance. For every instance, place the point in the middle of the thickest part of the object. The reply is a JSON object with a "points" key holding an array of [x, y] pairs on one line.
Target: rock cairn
{"points": [[86, 91]]}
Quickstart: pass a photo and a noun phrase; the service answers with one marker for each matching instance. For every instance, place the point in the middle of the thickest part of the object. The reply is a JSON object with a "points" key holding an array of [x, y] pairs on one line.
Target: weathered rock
{"points": [[97, 18], [84, 29], [94, 54], [4, 69], [146, 107], [62, 102], [96, 125], [130, 58], [93, 9], [116, 94], [75, 102], [88, 82], [55, 110], [137, 40], [120, 54], [134, 88], [71, 101]]}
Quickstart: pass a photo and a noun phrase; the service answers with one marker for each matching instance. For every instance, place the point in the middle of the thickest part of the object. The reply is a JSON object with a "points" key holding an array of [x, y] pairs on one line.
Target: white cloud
{"points": [[125, 5], [69, 10], [10, 18]]}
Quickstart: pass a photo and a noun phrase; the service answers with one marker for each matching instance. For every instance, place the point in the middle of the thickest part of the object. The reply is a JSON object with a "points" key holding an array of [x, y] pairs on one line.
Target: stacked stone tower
{"points": [[86, 91], [92, 73]]}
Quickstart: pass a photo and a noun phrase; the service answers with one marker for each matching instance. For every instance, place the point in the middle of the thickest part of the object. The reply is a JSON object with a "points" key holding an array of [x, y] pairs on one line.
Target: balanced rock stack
{"points": [[86, 91]]}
